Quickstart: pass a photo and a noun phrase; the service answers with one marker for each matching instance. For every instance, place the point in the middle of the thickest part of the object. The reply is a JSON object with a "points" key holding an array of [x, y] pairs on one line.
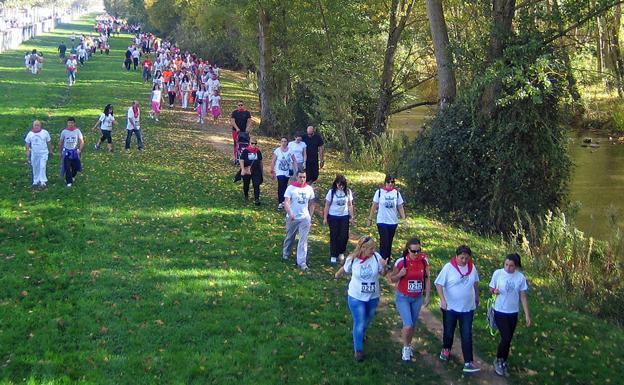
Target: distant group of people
{"points": [[33, 61]]}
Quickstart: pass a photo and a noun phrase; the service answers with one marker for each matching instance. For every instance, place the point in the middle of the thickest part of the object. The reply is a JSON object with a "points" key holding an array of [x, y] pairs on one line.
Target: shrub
{"points": [[380, 152]]}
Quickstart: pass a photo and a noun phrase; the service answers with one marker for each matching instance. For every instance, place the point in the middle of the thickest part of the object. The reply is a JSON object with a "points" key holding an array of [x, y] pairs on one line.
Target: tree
{"points": [[447, 86]]}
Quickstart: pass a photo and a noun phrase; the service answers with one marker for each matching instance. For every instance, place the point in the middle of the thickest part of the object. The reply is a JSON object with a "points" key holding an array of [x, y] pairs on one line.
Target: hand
{"points": [[383, 263], [443, 304], [402, 272], [352, 221], [495, 291], [322, 164], [426, 301], [325, 221], [528, 320], [368, 222], [291, 216], [477, 302], [79, 151]]}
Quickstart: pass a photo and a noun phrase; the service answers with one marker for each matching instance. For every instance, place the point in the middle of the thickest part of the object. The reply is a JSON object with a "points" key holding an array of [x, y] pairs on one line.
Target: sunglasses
{"points": [[413, 251], [240, 105], [254, 143]]}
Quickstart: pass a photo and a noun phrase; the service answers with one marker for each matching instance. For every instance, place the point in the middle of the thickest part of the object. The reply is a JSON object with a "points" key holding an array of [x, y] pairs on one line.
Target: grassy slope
{"points": [[151, 270]]}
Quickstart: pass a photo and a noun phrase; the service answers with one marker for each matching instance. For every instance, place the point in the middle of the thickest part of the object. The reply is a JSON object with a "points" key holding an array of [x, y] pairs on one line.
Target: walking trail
{"points": [[218, 136]]}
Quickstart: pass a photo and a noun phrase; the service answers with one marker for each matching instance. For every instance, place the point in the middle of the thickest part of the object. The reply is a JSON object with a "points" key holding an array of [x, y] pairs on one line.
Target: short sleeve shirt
{"points": [[106, 122], [241, 117], [389, 202], [458, 288], [313, 143], [364, 283], [71, 139], [509, 286], [299, 199], [339, 203], [283, 161], [38, 141], [297, 149], [131, 118]]}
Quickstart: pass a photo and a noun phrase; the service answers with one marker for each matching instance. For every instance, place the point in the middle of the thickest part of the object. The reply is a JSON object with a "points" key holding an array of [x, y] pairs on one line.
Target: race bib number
{"points": [[369, 287], [414, 286]]}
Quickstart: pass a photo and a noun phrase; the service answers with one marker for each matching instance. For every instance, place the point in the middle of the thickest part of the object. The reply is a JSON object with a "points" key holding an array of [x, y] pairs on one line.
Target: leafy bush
{"points": [[381, 152], [478, 168]]}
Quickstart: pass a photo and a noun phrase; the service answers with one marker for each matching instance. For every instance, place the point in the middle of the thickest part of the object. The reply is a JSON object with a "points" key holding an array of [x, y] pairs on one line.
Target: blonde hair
{"points": [[363, 243], [36, 121]]}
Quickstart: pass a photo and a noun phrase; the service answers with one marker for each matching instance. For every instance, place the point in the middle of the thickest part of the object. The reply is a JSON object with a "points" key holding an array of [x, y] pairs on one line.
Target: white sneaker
{"points": [[333, 260], [280, 206], [69, 184], [304, 268], [341, 258], [406, 354]]}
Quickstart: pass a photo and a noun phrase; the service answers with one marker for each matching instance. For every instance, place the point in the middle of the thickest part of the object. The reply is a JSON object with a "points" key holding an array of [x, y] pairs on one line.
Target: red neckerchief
{"points": [[70, 129], [388, 189], [36, 132], [241, 109], [252, 149], [297, 184], [363, 258], [135, 110], [456, 266]]}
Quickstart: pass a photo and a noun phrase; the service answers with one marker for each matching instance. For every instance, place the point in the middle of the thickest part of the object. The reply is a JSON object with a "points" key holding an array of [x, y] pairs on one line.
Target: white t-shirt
{"points": [[215, 101], [297, 149], [184, 86], [283, 161], [364, 283], [106, 122], [38, 141], [71, 64], [389, 202], [299, 198], [458, 288], [131, 119], [212, 84], [339, 206], [71, 139], [200, 95], [510, 286], [156, 95]]}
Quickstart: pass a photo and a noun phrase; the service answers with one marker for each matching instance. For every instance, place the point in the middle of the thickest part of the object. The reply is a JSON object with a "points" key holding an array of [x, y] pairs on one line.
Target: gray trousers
{"points": [[292, 227]]}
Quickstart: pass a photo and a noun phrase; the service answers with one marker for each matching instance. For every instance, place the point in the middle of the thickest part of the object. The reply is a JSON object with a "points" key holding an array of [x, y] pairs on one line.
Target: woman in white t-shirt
{"points": [[282, 165], [215, 105], [185, 88], [510, 287], [298, 147], [105, 122], [365, 266], [388, 204], [458, 288], [156, 98], [338, 213], [201, 106]]}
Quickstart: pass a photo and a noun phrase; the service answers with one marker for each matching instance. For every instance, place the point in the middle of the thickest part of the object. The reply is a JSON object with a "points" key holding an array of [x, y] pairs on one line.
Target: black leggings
{"points": [[506, 323], [282, 184], [172, 96], [256, 186], [106, 135], [338, 234], [386, 236]]}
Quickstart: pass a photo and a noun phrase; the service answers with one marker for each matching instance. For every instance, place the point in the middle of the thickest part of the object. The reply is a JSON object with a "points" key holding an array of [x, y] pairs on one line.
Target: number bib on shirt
{"points": [[414, 286], [369, 287]]}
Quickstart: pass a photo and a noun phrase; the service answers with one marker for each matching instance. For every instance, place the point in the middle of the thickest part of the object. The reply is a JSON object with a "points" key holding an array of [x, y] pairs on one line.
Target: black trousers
{"points": [[172, 96], [312, 170], [71, 169], [247, 179], [338, 234], [506, 323], [386, 236], [282, 184]]}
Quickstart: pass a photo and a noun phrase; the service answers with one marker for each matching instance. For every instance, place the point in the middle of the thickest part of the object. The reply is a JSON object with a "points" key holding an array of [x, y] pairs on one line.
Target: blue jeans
{"points": [[409, 308], [362, 313], [449, 320]]}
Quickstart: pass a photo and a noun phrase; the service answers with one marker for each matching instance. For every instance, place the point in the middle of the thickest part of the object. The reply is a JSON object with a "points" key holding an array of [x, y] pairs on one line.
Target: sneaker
{"points": [[69, 184], [358, 356], [157, 120], [304, 268], [333, 260], [257, 202], [445, 355], [406, 354], [43, 185], [341, 258], [280, 206], [284, 258], [470, 367], [505, 368], [96, 147], [498, 367]]}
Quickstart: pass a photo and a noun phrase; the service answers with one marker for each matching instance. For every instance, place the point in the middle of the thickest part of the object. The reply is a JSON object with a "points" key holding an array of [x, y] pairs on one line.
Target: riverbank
{"points": [[152, 269]]}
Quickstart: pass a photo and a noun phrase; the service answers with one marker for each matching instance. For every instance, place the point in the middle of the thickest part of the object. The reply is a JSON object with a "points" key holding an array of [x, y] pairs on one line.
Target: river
{"points": [[597, 177]]}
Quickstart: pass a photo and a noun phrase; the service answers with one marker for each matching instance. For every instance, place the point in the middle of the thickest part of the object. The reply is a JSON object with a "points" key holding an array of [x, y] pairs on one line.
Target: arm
{"points": [[440, 290], [311, 206], [476, 290], [81, 145], [61, 143], [402, 212], [305, 156], [287, 208], [373, 210], [248, 126], [273, 161], [525, 306], [50, 148], [427, 287], [97, 124], [397, 274], [325, 212], [233, 122], [351, 212], [28, 152]]}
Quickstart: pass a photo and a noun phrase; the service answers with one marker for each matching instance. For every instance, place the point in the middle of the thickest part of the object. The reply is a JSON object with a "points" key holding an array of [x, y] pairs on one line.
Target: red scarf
{"points": [[241, 109], [70, 129], [135, 110], [363, 258], [388, 189], [456, 266], [252, 149], [297, 184]]}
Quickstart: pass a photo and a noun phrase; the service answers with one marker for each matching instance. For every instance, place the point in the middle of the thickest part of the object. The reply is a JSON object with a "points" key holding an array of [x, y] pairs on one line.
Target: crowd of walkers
{"points": [[295, 164]]}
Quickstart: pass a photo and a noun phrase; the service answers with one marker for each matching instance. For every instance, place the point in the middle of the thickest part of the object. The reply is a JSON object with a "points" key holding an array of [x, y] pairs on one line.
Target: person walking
{"points": [[457, 285], [299, 207], [388, 204], [215, 105], [185, 88], [251, 170], [365, 266], [282, 165], [510, 287], [411, 275], [72, 66], [105, 122], [156, 98], [71, 144], [38, 147], [133, 126], [240, 119], [171, 90], [201, 106], [338, 213], [298, 147], [315, 151]]}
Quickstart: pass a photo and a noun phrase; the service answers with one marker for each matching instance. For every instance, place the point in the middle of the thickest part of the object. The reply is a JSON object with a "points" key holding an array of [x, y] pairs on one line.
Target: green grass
{"points": [[152, 269]]}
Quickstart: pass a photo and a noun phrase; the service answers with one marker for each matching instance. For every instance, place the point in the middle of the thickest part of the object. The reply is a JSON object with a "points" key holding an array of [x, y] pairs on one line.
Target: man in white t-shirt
{"points": [[298, 147], [38, 146], [299, 207], [458, 289]]}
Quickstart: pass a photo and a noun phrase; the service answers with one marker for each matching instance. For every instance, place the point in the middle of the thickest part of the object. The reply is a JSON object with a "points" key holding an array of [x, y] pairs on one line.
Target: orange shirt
{"points": [[166, 75]]}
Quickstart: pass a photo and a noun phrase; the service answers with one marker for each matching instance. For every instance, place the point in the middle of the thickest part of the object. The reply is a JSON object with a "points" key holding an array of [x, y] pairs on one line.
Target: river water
{"points": [[597, 183]]}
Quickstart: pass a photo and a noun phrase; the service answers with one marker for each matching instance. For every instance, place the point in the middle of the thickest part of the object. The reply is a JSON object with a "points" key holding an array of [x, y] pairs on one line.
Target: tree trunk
{"points": [[447, 86], [265, 71], [571, 80], [600, 45], [395, 30]]}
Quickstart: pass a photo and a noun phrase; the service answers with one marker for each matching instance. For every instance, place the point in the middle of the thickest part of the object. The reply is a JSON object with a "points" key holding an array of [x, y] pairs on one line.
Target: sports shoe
{"points": [[69, 184], [304, 268], [470, 367], [96, 147], [505, 368], [358, 356], [333, 260], [445, 354], [157, 120], [257, 202], [406, 353], [280, 206], [341, 258], [498, 367]]}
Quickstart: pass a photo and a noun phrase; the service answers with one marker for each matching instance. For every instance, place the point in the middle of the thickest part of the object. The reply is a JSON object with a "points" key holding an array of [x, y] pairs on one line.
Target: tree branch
{"points": [[412, 105]]}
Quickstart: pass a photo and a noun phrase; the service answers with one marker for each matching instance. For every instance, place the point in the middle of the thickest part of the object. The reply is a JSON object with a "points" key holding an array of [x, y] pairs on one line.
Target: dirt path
{"points": [[218, 136]]}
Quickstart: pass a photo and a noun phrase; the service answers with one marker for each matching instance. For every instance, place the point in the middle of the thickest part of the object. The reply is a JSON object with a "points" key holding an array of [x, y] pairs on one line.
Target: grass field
{"points": [[152, 270]]}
